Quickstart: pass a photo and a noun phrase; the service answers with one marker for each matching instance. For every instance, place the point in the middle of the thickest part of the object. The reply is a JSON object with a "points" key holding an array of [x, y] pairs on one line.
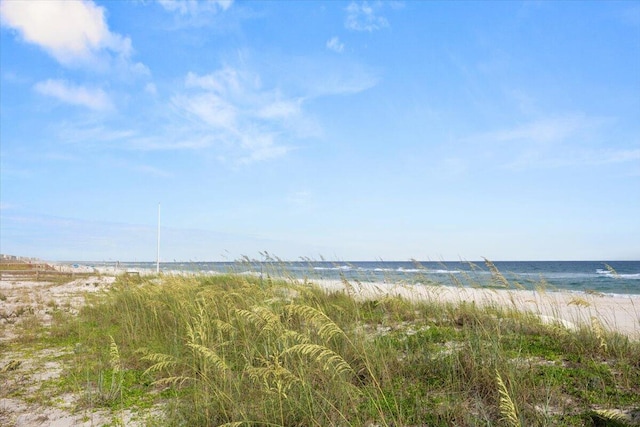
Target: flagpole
{"points": [[158, 255]]}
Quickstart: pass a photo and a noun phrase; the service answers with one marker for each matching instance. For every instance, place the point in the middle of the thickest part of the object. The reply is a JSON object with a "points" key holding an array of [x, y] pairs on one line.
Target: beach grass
{"points": [[247, 350]]}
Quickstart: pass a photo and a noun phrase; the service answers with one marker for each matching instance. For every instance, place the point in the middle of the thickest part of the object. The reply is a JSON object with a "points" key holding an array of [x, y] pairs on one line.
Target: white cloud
{"points": [[365, 17], [344, 82], [595, 157], [95, 99], [70, 31], [241, 119], [335, 45], [328, 75], [543, 131], [280, 109], [231, 92], [575, 157], [230, 108], [552, 142], [192, 7], [310, 76], [229, 113], [150, 170], [547, 130], [619, 156], [260, 146], [74, 132], [209, 108], [170, 142], [224, 81], [138, 68], [151, 89]]}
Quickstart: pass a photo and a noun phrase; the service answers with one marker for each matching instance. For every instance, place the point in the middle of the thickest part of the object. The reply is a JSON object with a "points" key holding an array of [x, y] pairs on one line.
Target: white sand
{"points": [[571, 309], [19, 301]]}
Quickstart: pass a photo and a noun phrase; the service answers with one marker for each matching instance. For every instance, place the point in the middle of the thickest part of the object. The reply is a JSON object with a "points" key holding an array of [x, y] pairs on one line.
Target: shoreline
{"points": [[569, 308], [143, 271], [614, 278]]}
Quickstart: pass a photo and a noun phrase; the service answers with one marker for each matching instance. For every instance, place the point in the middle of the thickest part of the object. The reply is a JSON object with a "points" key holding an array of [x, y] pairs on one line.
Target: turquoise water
{"points": [[611, 277]]}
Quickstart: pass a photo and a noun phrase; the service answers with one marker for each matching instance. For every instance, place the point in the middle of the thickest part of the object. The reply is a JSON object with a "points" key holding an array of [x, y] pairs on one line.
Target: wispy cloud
{"points": [[149, 170], [172, 141], [233, 109], [618, 156], [281, 109], [259, 146], [74, 132], [545, 130], [151, 89], [75, 33], [95, 99], [335, 44], [192, 7], [236, 114], [329, 76], [365, 17], [552, 142], [239, 116], [210, 108], [594, 157]]}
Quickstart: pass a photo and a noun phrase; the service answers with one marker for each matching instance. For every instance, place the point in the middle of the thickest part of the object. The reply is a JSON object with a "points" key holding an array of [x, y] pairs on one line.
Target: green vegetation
{"points": [[237, 350]]}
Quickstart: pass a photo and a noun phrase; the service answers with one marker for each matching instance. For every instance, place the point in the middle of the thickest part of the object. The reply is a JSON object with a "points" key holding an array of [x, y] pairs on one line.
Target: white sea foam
{"points": [[608, 273], [338, 268]]}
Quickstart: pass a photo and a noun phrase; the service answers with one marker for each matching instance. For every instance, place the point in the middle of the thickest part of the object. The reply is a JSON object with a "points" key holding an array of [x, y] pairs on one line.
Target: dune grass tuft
{"points": [[238, 350]]}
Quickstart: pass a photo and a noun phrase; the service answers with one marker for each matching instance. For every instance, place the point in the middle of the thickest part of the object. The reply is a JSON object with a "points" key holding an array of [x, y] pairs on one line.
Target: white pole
{"points": [[158, 256]]}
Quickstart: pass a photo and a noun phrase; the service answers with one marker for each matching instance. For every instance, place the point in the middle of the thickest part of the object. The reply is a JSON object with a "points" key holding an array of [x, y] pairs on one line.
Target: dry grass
{"points": [[240, 350], [235, 350]]}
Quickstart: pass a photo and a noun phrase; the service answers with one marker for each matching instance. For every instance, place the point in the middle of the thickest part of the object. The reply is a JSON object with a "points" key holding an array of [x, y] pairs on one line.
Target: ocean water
{"points": [[609, 277]]}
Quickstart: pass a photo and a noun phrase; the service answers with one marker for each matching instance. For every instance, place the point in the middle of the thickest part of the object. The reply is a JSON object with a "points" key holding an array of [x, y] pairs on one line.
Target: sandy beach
{"points": [[22, 300], [569, 309]]}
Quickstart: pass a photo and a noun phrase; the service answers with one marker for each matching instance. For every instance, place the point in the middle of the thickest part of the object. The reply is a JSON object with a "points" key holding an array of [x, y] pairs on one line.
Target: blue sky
{"points": [[343, 130]]}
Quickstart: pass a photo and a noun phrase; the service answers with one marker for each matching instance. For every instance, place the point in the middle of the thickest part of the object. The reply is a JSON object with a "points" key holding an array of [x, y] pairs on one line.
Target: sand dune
{"points": [[571, 309]]}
